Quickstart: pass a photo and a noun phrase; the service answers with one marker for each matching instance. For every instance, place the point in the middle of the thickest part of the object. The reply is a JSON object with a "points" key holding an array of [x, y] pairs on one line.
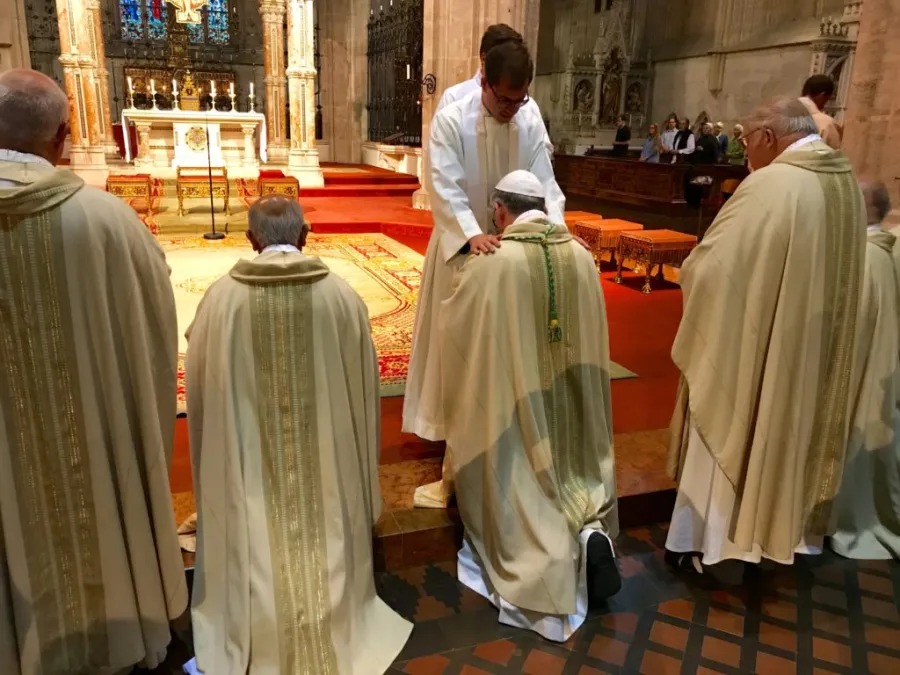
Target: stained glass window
{"points": [[142, 19], [156, 20], [217, 18], [132, 21]]}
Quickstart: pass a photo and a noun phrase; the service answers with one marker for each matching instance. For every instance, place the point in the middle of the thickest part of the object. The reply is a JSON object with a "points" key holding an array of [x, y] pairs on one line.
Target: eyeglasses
{"points": [[505, 102]]}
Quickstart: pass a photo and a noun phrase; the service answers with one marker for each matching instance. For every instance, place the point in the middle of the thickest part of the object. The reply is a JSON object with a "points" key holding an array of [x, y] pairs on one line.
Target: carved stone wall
{"points": [[872, 128], [13, 35]]}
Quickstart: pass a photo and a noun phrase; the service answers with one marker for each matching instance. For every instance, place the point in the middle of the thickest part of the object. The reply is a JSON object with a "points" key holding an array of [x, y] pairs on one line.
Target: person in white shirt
{"points": [[668, 136]]}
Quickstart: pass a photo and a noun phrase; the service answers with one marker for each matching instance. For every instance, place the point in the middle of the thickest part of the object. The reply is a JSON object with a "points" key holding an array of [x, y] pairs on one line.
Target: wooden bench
{"points": [[274, 182], [194, 182], [131, 186], [654, 247], [603, 235]]}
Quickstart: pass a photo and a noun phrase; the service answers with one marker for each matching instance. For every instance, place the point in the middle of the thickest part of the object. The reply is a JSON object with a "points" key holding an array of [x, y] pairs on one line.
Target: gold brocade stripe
{"points": [[843, 263], [555, 360], [40, 399], [283, 345]]}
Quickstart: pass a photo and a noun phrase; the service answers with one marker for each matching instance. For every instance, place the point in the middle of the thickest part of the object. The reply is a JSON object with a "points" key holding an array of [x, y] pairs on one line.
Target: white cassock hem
{"points": [[557, 628], [704, 505]]}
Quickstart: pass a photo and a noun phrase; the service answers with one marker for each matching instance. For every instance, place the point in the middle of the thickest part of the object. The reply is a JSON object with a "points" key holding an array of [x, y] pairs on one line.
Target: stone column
{"points": [[872, 120], [249, 158], [13, 36], [303, 159], [452, 37], [101, 73], [272, 13], [87, 154]]}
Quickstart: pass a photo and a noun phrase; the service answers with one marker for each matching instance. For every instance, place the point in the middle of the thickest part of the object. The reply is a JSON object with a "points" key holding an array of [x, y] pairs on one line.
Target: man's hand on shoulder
{"points": [[484, 243]]}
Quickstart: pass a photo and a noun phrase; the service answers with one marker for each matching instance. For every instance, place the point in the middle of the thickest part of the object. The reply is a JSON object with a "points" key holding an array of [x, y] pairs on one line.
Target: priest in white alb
{"points": [[766, 350], [867, 509], [283, 410], [90, 568], [474, 142], [526, 396], [495, 35]]}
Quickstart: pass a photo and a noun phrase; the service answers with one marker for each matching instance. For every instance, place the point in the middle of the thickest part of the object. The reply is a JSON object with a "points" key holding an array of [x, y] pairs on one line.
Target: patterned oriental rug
{"points": [[385, 273]]}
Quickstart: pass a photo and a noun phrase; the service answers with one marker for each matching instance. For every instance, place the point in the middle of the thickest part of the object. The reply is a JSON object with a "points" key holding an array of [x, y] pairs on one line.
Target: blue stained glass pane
{"points": [[157, 26], [132, 25], [195, 32], [217, 18]]}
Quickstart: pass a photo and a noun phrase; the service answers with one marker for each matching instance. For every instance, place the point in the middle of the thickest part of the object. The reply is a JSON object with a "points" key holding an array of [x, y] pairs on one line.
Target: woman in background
{"points": [[652, 146]]}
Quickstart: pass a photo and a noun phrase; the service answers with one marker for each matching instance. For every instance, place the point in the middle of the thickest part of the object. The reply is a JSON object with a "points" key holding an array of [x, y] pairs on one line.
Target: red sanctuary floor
{"points": [[642, 329]]}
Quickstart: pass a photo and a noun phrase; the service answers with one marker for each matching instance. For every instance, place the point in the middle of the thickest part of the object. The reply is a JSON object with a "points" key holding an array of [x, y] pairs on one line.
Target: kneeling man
{"points": [[283, 409], [529, 426]]}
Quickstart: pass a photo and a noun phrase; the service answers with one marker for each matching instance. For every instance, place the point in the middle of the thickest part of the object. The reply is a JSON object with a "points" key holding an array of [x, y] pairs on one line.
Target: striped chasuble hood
{"points": [[90, 567]]}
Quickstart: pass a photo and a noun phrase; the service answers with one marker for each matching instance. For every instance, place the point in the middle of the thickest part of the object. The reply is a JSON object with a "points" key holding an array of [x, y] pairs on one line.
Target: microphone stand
{"points": [[212, 210]]}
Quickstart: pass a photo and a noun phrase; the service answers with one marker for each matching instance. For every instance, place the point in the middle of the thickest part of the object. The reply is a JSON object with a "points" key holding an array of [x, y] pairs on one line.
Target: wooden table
{"points": [[131, 186], [195, 182], [654, 247], [603, 235], [274, 182]]}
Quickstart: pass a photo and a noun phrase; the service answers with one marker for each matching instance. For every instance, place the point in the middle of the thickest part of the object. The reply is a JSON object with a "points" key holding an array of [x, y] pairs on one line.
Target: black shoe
{"points": [[603, 578], [683, 562]]}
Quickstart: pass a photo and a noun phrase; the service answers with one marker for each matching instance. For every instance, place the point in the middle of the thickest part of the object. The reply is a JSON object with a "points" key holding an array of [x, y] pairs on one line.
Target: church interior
{"points": [[190, 110]]}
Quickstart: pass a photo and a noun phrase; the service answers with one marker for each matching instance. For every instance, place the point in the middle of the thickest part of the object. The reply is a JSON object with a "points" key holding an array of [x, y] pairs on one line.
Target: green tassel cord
{"points": [[554, 328]]}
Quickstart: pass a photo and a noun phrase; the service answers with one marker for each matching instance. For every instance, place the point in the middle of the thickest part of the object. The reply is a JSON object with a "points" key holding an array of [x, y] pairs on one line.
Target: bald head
{"points": [[276, 220], [34, 113], [775, 126]]}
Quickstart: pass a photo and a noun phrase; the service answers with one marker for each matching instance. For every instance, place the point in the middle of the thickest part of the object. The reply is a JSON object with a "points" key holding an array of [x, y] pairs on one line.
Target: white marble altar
{"points": [[234, 138]]}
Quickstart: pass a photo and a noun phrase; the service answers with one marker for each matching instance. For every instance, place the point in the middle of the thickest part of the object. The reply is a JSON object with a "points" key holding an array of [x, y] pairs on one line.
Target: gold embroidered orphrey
{"points": [[283, 342]]}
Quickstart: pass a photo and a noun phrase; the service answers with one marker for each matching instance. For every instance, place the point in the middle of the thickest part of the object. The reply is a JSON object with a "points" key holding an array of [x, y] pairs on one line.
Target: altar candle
{"points": [[153, 87], [408, 75], [174, 87], [212, 88], [251, 89], [231, 89], [130, 87]]}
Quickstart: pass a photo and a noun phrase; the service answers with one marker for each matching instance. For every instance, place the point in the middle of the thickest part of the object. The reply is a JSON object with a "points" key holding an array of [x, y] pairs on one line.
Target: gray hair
{"points": [[276, 220], [518, 204], [784, 116], [878, 199], [32, 109]]}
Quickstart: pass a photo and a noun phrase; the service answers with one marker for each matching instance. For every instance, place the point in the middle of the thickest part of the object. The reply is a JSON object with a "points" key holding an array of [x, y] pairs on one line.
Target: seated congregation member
{"points": [[283, 410], [528, 419], [766, 339], [90, 568], [868, 506]]}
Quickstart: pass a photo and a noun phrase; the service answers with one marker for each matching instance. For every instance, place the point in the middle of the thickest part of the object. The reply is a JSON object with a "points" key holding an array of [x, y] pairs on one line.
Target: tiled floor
{"points": [[824, 615]]}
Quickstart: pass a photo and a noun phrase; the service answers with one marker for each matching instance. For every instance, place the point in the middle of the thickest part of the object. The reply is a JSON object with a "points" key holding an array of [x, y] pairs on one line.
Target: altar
{"points": [[168, 139]]}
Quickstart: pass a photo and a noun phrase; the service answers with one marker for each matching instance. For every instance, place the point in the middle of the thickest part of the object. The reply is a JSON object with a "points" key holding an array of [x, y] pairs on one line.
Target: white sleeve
{"points": [[446, 99], [690, 146], [450, 202]]}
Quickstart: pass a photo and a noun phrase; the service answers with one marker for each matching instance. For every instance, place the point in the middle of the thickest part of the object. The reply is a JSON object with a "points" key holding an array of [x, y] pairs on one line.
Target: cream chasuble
{"points": [[283, 408], [469, 153], [526, 394], [90, 568], [765, 347], [867, 509]]}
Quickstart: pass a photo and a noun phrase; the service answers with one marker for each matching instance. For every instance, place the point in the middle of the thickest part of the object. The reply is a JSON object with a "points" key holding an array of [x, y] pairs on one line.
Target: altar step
{"points": [[361, 190]]}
